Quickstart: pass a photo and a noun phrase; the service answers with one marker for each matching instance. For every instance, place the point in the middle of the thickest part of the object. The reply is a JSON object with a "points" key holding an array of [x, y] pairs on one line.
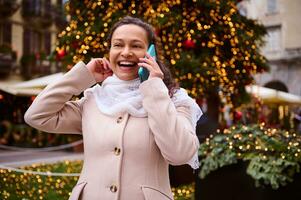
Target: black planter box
{"points": [[233, 183]]}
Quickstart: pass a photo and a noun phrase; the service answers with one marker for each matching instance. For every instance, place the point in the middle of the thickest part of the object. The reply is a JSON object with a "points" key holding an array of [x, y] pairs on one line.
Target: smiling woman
{"points": [[131, 130], [128, 44], [151, 39]]}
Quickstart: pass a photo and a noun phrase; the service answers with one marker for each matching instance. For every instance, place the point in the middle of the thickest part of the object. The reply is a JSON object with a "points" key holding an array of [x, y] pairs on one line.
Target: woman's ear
{"points": [[107, 62]]}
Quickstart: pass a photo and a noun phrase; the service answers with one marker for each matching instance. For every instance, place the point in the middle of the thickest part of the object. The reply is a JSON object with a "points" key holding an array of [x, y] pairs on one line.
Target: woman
{"points": [[131, 130]]}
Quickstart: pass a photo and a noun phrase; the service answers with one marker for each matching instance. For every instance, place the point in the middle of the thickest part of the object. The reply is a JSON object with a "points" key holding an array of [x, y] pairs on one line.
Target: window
{"points": [[5, 33], [31, 41], [26, 41], [272, 6], [36, 7], [47, 42], [34, 41], [273, 39]]}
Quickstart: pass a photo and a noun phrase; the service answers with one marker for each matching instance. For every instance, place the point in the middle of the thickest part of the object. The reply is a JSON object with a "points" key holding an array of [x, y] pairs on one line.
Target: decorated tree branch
{"points": [[273, 156]]}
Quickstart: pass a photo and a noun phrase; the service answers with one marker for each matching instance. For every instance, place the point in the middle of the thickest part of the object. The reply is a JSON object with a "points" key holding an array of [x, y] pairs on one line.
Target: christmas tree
{"points": [[210, 47]]}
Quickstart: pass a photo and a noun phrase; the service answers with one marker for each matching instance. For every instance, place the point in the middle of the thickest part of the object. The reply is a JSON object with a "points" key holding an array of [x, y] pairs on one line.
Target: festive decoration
{"points": [[189, 44], [60, 54], [16, 185], [237, 116], [208, 44], [183, 192], [274, 156]]}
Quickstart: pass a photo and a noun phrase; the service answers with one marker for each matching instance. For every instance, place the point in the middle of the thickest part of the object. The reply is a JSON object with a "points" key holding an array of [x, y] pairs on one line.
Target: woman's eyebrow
{"points": [[137, 41], [117, 39], [132, 40]]}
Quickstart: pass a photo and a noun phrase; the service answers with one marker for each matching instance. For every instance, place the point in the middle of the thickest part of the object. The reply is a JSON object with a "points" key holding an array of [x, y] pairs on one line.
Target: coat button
{"points": [[113, 188], [119, 119], [117, 151]]}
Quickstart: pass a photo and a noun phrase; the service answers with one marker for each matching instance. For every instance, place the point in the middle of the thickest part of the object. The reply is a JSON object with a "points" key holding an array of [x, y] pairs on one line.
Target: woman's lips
{"points": [[126, 64], [127, 68]]}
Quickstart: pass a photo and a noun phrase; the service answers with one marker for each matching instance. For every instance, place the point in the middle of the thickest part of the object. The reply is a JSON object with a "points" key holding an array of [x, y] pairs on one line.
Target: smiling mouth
{"points": [[126, 64]]}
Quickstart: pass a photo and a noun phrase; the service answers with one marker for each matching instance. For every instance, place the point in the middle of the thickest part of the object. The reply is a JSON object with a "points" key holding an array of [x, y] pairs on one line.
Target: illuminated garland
{"points": [[21, 185], [273, 156], [16, 185]]}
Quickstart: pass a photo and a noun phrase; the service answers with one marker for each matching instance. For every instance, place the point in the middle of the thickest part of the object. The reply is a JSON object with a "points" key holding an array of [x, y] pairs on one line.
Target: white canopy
{"points": [[35, 86], [273, 96], [29, 88], [39, 82]]}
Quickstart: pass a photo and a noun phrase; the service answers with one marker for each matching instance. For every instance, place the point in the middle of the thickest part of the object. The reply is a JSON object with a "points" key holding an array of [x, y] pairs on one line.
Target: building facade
{"points": [[283, 41], [28, 31]]}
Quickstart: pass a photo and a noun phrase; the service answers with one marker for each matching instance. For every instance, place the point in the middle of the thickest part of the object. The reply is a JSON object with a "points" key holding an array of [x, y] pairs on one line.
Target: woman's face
{"points": [[128, 44]]}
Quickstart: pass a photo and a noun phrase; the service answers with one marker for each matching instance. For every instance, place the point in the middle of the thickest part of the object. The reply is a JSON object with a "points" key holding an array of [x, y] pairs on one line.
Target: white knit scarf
{"points": [[115, 97]]}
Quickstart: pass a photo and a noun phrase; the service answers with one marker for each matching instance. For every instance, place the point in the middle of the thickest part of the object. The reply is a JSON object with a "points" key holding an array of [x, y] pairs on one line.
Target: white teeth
{"points": [[126, 63]]}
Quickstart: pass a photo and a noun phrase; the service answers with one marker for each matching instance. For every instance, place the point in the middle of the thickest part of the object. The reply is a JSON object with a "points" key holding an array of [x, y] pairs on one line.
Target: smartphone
{"points": [[143, 72]]}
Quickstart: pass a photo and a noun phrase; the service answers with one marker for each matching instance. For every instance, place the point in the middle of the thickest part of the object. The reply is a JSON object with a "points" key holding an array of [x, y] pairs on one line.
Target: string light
{"points": [[37, 186], [59, 187], [254, 142]]}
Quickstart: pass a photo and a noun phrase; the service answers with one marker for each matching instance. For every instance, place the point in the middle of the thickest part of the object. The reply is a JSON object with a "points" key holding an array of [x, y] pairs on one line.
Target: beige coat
{"points": [[125, 157]]}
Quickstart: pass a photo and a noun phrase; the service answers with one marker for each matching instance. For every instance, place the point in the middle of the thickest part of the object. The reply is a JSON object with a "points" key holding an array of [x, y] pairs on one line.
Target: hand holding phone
{"points": [[143, 72]]}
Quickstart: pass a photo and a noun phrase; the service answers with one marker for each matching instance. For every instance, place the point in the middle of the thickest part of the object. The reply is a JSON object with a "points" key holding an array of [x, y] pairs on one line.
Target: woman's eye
{"points": [[116, 45], [137, 46]]}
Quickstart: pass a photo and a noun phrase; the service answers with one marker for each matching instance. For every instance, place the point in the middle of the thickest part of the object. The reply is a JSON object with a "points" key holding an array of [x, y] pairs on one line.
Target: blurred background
{"points": [[240, 60]]}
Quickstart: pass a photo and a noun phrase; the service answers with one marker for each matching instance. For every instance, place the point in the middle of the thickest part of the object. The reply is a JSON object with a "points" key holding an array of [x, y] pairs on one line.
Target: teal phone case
{"points": [[143, 72]]}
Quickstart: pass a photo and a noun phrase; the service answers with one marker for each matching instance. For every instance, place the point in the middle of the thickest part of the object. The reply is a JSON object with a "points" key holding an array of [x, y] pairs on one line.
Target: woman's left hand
{"points": [[152, 66]]}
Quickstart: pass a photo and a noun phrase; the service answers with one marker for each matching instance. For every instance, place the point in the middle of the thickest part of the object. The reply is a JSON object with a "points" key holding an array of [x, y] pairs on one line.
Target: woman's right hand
{"points": [[100, 68]]}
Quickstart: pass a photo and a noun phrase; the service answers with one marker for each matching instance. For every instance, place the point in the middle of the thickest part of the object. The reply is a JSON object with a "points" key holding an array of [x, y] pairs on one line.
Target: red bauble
{"points": [[61, 53], [189, 44], [237, 115]]}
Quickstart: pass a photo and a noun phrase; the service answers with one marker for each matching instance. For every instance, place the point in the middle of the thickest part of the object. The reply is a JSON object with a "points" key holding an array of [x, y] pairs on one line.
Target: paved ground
{"points": [[20, 158]]}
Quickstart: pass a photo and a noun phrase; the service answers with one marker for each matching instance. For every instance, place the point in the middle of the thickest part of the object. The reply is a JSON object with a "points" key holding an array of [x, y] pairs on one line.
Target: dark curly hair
{"points": [[152, 39]]}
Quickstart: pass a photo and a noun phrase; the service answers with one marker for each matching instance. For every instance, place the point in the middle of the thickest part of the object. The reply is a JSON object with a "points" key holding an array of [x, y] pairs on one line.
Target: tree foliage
{"points": [[208, 44]]}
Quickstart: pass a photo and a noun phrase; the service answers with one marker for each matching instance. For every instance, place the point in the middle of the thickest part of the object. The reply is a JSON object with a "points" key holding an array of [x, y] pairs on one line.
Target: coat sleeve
{"points": [[172, 126], [52, 110]]}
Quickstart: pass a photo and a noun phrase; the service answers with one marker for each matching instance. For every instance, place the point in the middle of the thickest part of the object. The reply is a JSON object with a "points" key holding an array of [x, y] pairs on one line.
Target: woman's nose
{"points": [[126, 52]]}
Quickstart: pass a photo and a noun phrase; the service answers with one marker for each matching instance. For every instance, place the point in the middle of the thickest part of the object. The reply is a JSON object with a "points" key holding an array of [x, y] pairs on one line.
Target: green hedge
{"points": [[25, 186], [273, 155]]}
